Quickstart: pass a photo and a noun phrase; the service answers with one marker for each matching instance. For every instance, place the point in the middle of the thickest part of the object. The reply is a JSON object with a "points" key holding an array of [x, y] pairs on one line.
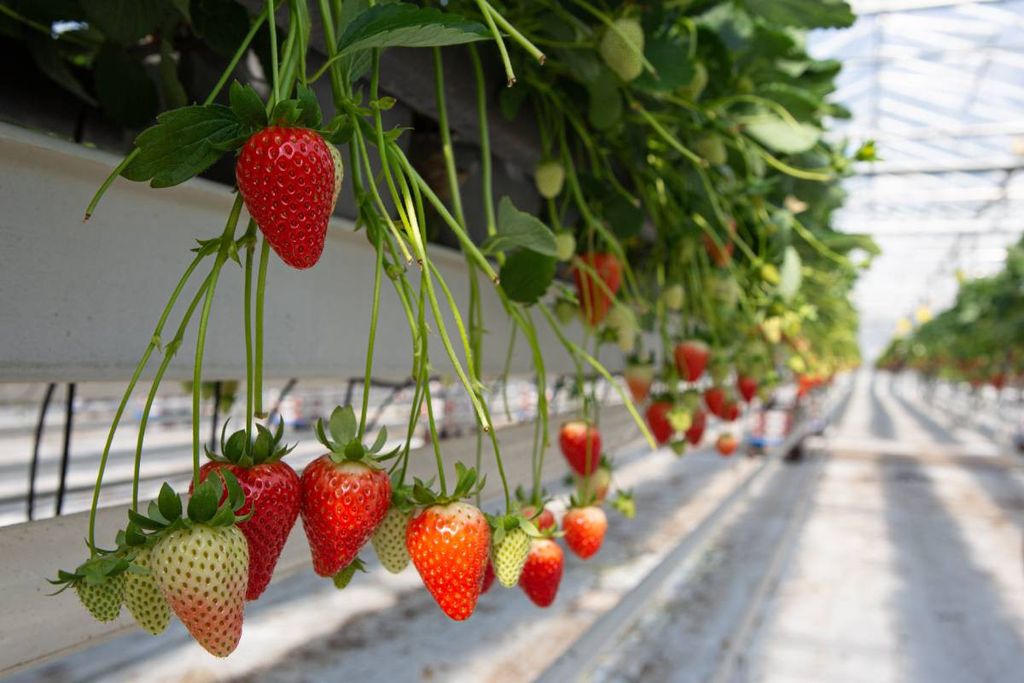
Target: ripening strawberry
{"points": [[286, 177], [730, 411], [389, 540], [747, 386], [342, 505], [584, 530], [543, 520], [203, 572], [449, 546], [510, 556], [692, 357], [272, 492], [726, 445], [696, 431], [580, 442], [339, 173], [103, 600], [542, 572], [595, 299], [488, 577], [715, 398], [143, 598], [639, 377], [657, 420], [596, 485]]}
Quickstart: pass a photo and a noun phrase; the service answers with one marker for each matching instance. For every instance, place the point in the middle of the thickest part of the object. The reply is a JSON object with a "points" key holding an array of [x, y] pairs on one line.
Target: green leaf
{"points": [[170, 85], [625, 218], [518, 229], [221, 23], [803, 13], [182, 144], [526, 275], [126, 93], [169, 503], [46, 54], [247, 105], [605, 105], [670, 57], [143, 521], [406, 25], [343, 425], [378, 443], [203, 503], [780, 135], [311, 116], [789, 274], [126, 21]]}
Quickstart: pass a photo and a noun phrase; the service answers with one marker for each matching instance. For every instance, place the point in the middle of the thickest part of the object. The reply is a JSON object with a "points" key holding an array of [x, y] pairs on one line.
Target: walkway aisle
{"points": [[909, 568]]}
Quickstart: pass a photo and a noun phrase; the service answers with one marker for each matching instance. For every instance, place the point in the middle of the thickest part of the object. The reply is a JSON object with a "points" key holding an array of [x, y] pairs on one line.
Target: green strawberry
{"points": [[510, 555], [565, 246], [712, 148], [549, 177], [565, 311], [622, 47], [142, 596], [673, 296], [103, 600], [389, 540], [203, 572]]}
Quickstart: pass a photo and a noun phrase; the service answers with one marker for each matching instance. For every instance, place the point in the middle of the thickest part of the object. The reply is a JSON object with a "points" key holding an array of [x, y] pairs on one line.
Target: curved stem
{"points": [[371, 342], [250, 248]]}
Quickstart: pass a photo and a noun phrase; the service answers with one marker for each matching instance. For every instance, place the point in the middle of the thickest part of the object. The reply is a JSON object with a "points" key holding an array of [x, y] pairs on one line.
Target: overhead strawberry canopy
{"points": [[686, 193]]}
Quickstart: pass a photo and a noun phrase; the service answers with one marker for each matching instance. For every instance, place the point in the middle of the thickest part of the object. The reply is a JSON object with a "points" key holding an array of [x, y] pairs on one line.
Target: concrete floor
{"points": [[894, 556]]}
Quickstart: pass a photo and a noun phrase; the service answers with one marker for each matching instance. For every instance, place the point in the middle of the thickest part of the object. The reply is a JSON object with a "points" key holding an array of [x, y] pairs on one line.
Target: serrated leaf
{"points": [[790, 274], [780, 135], [406, 25], [526, 275], [519, 230], [169, 503], [343, 425], [182, 144], [221, 23], [247, 105], [803, 13], [203, 503]]}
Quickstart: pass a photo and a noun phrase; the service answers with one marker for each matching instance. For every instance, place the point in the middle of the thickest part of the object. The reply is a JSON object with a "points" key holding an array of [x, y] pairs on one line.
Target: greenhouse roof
{"points": [[939, 84]]}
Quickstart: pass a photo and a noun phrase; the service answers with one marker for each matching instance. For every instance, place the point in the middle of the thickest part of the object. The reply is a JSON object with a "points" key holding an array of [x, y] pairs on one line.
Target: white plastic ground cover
{"points": [[35, 628], [80, 300]]}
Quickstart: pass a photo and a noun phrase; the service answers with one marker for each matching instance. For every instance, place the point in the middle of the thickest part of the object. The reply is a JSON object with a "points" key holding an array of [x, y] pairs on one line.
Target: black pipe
{"points": [[65, 457], [34, 466], [280, 399]]}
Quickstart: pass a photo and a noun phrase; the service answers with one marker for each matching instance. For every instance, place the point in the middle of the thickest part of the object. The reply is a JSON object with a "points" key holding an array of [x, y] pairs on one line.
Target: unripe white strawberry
{"points": [[142, 597], [549, 177], [622, 47], [339, 171], [510, 555], [203, 572], [389, 540], [103, 600], [673, 296], [565, 246]]}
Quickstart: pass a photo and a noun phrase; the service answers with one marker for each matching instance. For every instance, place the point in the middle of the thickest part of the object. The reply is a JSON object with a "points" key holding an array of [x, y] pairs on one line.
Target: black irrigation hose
{"points": [[281, 397], [65, 457], [34, 466]]}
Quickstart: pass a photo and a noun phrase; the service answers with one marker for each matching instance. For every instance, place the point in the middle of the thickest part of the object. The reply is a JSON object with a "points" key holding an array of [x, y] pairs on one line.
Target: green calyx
{"points": [[624, 504], [264, 449], [503, 525], [466, 485], [344, 443], [95, 571], [344, 577]]}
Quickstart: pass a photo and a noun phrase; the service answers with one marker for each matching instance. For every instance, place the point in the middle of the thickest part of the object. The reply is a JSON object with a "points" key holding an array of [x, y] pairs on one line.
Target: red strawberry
{"points": [[272, 490], [691, 359], [584, 530], [449, 545], [747, 386], [488, 577], [726, 444], [542, 572], [730, 411], [639, 377], [345, 496], [342, 505], [594, 299], [696, 430], [580, 442], [544, 520], [714, 398], [286, 177], [657, 419]]}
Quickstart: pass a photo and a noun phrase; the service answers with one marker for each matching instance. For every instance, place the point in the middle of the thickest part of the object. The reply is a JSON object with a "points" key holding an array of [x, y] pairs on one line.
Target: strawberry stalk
{"points": [[261, 288], [250, 248], [486, 10], [226, 242]]}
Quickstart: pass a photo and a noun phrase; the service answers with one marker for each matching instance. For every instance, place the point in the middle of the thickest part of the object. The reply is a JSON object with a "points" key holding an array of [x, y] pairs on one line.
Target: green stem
{"points": [[250, 248], [485, 141], [204, 319], [446, 138], [261, 288], [512, 31], [371, 342], [274, 68], [485, 10]]}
